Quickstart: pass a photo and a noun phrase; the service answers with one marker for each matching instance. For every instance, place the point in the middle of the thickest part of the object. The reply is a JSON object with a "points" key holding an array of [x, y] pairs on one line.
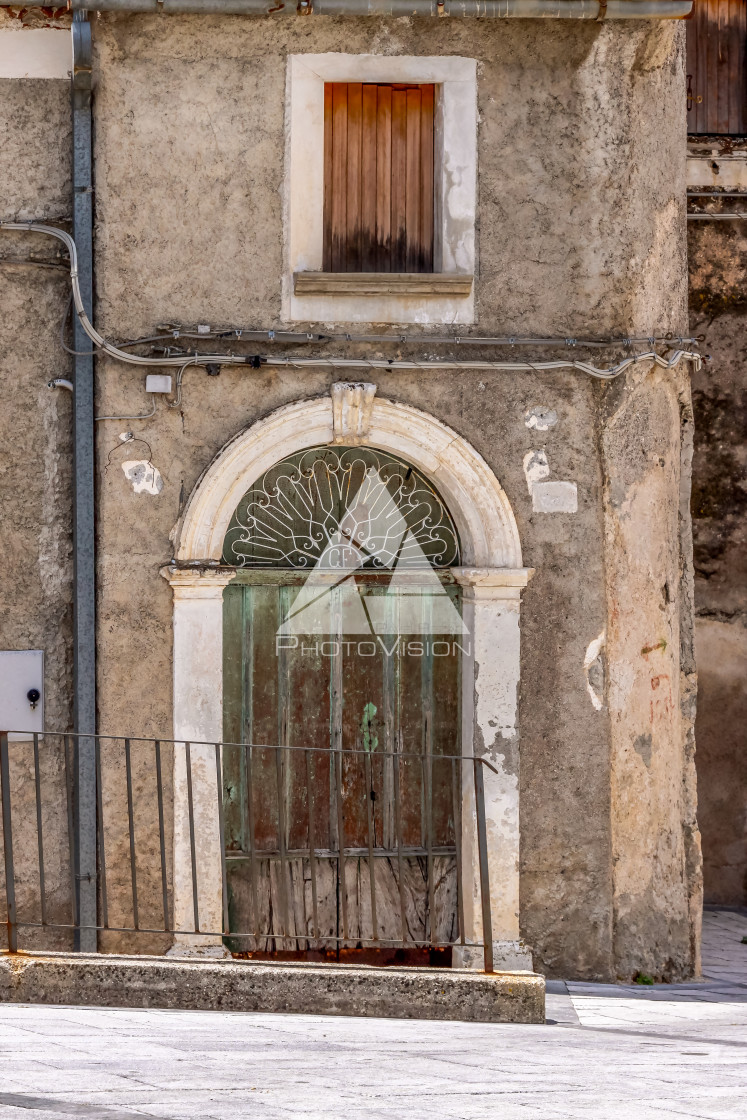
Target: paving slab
{"points": [[606, 1051]]}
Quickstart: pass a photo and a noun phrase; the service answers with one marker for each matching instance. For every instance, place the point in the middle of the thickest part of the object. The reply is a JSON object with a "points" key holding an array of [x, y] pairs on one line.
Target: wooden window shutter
{"points": [[717, 68], [378, 177]]}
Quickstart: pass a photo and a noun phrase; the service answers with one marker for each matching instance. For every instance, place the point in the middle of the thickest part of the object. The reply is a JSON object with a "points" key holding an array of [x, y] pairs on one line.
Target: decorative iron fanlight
{"points": [[367, 501]]}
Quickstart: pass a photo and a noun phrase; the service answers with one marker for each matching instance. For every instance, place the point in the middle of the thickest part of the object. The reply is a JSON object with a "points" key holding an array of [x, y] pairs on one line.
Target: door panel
{"points": [[367, 695]]}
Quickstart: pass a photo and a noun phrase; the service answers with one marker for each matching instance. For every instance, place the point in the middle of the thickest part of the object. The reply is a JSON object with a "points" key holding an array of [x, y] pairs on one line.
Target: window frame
{"points": [[445, 296]]}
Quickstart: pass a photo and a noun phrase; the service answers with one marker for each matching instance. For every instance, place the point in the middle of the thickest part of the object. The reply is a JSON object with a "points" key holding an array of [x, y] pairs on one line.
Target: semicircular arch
{"points": [[473, 495]]}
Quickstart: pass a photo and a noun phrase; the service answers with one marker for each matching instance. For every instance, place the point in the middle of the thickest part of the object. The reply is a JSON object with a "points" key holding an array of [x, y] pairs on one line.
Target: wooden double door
{"points": [[372, 722]]}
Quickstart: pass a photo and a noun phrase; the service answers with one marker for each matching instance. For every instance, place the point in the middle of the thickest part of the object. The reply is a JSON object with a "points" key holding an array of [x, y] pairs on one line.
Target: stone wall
{"points": [[718, 309]]}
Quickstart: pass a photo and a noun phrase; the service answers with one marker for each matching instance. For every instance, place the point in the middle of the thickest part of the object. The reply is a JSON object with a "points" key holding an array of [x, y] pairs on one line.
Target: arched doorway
{"points": [[342, 631], [491, 578]]}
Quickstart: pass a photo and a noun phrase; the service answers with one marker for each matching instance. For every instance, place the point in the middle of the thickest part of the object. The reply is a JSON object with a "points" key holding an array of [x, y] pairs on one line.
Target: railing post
{"points": [[482, 849], [10, 882]]}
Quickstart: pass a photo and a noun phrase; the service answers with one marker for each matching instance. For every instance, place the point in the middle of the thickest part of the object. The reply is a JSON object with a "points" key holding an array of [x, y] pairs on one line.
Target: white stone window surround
{"points": [[456, 193]]}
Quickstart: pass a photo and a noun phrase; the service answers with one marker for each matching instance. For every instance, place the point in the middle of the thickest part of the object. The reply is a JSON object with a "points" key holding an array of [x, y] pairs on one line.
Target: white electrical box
{"points": [[21, 691], [158, 382]]}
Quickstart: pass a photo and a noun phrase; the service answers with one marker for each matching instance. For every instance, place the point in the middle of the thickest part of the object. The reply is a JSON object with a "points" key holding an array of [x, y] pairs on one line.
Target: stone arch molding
{"points": [[476, 501], [491, 581]]}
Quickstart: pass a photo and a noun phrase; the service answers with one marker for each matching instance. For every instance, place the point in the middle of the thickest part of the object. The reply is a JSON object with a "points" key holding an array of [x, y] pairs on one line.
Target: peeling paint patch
{"points": [[548, 497], [536, 467], [145, 478], [555, 497], [541, 418], [594, 670]]}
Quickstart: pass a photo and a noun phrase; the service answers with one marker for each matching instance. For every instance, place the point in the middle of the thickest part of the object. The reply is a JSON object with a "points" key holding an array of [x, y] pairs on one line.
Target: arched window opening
{"points": [[341, 507]]}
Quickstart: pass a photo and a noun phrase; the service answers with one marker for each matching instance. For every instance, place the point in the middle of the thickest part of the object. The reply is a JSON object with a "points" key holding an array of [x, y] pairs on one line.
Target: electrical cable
{"points": [[63, 324], [256, 361], [140, 416], [248, 334], [478, 366], [737, 216], [176, 403]]}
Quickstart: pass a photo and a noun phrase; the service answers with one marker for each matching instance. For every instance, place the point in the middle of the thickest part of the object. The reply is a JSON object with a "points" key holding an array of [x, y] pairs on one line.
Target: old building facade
{"points": [[717, 186], [415, 242]]}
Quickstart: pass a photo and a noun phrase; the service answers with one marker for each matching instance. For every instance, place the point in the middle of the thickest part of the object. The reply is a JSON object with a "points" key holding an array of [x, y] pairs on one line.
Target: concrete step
{"points": [[102, 980]]}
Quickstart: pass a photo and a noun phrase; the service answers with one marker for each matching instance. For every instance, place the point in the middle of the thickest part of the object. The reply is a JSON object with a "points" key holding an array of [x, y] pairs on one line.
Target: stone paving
{"points": [[612, 1052]]}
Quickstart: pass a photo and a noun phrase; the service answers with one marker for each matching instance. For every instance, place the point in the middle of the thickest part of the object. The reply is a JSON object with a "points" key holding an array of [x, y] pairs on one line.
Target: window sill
{"points": [[382, 283]]}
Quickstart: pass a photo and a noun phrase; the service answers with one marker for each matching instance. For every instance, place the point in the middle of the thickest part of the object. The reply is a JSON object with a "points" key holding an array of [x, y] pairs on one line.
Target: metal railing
{"points": [[315, 847]]}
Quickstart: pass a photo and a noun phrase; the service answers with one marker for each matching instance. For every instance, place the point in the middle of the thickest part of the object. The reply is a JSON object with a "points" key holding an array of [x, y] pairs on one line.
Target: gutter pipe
{"points": [[598, 10], [84, 570]]}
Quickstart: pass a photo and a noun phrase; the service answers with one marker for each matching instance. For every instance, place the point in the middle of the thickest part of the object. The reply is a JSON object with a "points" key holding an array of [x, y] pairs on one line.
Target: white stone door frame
{"points": [[492, 578]]}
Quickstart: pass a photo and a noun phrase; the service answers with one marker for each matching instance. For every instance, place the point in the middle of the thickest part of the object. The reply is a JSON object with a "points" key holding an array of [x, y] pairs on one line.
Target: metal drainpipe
{"points": [[485, 9], [84, 572]]}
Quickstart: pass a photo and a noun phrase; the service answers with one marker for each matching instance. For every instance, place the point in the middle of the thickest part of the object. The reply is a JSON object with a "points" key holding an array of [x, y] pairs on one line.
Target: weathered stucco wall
{"points": [[581, 194], [655, 843], [718, 308], [35, 463]]}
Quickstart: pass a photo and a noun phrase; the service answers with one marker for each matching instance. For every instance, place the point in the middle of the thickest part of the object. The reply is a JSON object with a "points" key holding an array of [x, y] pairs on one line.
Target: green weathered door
{"points": [[352, 654]]}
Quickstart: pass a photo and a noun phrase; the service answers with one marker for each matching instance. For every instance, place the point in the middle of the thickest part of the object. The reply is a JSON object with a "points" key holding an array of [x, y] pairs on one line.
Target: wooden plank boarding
{"points": [[717, 68], [383, 231]]}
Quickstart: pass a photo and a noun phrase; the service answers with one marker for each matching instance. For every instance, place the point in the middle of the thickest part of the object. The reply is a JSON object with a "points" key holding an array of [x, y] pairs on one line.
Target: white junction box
{"points": [[158, 383], [21, 691]]}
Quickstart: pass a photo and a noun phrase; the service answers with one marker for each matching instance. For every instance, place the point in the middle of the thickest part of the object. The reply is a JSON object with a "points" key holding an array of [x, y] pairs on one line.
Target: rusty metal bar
{"points": [[312, 847], [262, 746], [371, 874], [282, 844], [162, 838], [70, 828], [102, 836], [361, 941], [192, 853], [39, 832], [456, 787], [342, 884], [400, 864], [350, 853], [250, 833], [222, 837], [482, 848], [10, 876], [131, 824], [428, 779]]}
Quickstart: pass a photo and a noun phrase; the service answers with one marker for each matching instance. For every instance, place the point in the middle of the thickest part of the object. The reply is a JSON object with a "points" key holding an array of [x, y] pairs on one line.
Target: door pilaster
{"points": [[490, 686]]}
